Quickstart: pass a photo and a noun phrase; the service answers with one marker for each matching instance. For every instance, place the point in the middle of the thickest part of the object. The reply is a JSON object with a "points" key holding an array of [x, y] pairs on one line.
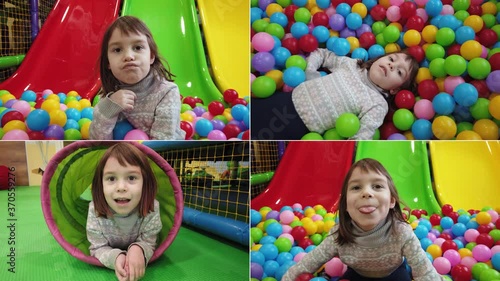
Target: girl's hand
{"points": [[120, 271], [135, 263], [124, 98]]}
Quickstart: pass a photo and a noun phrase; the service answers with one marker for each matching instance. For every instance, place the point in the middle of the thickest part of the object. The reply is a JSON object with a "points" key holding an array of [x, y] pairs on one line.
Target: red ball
{"points": [[190, 100], [454, 216], [231, 131], [453, 50], [408, 9], [198, 100], [304, 277], [367, 39], [435, 219], [475, 10], [484, 228], [216, 108], [461, 272], [487, 37], [335, 3], [352, 2], [36, 135], [417, 52], [449, 245], [239, 101], [12, 115], [485, 239], [495, 62], [320, 18], [230, 95], [378, 12], [428, 89], [447, 209], [246, 135], [308, 43], [387, 129], [290, 12], [298, 233], [416, 213], [415, 22], [497, 225], [305, 242], [481, 87], [405, 99], [447, 2], [445, 236], [188, 128], [292, 44]]}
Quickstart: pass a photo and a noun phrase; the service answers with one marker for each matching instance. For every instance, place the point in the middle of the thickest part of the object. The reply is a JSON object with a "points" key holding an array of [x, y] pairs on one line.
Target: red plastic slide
{"points": [[64, 55], [309, 173]]}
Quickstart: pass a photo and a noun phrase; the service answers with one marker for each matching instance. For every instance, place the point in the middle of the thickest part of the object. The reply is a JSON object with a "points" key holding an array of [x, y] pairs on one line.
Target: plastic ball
{"points": [[121, 129], [38, 120], [292, 76], [444, 128], [136, 134], [11, 116], [262, 42], [468, 135], [493, 81], [263, 61], [335, 267], [478, 68], [481, 253], [308, 43], [263, 87], [341, 47], [494, 107], [412, 38], [434, 51], [471, 49], [487, 129], [422, 129], [455, 65], [465, 94], [231, 131], [15, 135], [347, 125], [443, 104]]}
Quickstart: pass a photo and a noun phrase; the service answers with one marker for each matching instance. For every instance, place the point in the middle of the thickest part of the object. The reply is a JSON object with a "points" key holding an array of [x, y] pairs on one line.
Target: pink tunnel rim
{"points": [[46, 203]]}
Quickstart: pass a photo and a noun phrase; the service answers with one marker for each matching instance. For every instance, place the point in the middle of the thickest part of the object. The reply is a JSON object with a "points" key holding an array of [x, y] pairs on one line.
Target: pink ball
{"points": [[453, 256], [495, 249], [287, 89], [263, 42], [469, 262], [431, 236], [484, 53], [47, 92], [297, 206], [216, 135], [470, 235], [451, 82], [442, 265], [317, 217], [439, 241], [252, 77], [63, 107], [423, 109], [335, 267], [136, 134], [396, 2], [330, 11], [447, 10], [299, 256], [207, 115], [393, 14], [16, 135], [493, 214], [22, 106], [287, 236], [422, 13], [286, 227], [286, 216], [421, 3], [481, 253]]}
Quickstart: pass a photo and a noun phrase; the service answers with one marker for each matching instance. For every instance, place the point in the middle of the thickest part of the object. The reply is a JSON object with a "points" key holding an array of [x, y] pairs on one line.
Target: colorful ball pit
{"points": [[455, 42], [462, 245]]}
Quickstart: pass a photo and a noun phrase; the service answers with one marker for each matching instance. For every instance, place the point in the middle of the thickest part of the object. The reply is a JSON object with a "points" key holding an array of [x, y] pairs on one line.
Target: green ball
{"points": [[185, 107], [263, 87], [489, 275], [267, 279], [4, 92], [493, 51], [276, 30], [96, 100], [378, 27], [68, 99], [302, 15], [221, 118], [489, 20], [461, 5], [461, 15], [254, 3], [256, 234], [347, 125], [464, 126], [445, 36], [480, 110], [332, 134], [478, 269], [470, 245], [2, 109], [403, 119], [379, 38], [33, 103], [434, 51], [455, 65], [436, 67], [283, 244], [438, 228], [496, 28], [72, 134], [321, 212], [83, 121], [495, 234], [312, 136], [2, 133], [376, 136], [260, 25], [316, 238], [284, 3], [268, 222], [391, 34], [297, 61], [296, 223], [478, 68]]}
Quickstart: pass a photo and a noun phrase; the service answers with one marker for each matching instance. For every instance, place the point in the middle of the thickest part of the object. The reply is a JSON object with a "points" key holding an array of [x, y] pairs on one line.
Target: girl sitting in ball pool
{"points": [[353, 86]]}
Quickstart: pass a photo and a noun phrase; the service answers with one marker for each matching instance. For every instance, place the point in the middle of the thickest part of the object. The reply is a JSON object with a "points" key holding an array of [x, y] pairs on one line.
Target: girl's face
{"points": [[129, 56], [368, 198], [122, 186], [390, 72]]}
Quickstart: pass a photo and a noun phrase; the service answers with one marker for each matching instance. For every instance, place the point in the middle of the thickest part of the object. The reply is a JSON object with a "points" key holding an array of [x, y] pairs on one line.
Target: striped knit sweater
{"points": [[374, 254], [319, 101]]}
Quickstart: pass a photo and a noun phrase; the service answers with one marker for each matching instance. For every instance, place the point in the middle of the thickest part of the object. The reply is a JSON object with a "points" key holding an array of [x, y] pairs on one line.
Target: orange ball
{"points": [[468, 135], [486, 128]]}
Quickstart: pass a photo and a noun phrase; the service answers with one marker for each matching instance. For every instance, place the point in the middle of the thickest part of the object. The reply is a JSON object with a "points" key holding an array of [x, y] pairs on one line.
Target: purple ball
{"points": [[263, 61], [346, 32], [240, 124], [218, 124], [55, 132], [198, 110], [396, 136], [256, 270], [364, 28], [493, 81], [337, 22], [263, 5], [273, 215]]}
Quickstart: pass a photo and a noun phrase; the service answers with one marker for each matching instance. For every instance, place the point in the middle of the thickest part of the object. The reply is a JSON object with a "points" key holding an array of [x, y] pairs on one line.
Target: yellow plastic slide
{"points": [[225, 27], [467, 174]]}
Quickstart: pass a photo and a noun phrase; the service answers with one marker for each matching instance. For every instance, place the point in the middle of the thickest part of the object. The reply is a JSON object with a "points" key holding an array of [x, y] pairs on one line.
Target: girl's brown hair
{"points": [[345, 231], [125, 153], [127, 25], [410, 83]]}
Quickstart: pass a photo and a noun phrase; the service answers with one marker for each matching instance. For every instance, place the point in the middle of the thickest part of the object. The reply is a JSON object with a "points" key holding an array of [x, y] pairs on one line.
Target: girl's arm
{"points": [[104, 119], [313, 260], [369, 121], [167, 120], [150, 228], [422, 268], [321, 58], [99, 246]]}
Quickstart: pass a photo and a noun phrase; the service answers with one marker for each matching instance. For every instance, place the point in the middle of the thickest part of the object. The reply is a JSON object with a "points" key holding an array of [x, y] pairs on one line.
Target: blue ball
{"points": [[299, 3], [88, 112], [323, 4], [255, 217], [360, 53], [277, 43], [239, 112], [443, 104], [310, 248], [73, 113], [295, 250], [422, 129], [426, 223], [280, 55], [267, 240], [274, 230], [71, 124], [329, 43], [472, 224], [458, 229], [495, 261], [353, 21], [463, 219], [368, 20], [462, 114], [464, 33], [279, 18], [270, 267], [255, 14], [62, 97], [284, 257], [341, 47], [203, 127], [318, 279], [321, 33], [446, 222], [369, 4], [433, 7], [293, 76], [459, 243], [269, 250], [299, 29], [449, 21], [28, 96], [257, 257], [38, 120], [375, 51], [343, 9], [425, 242], [465, 94], [421, 231], [121, 129]]}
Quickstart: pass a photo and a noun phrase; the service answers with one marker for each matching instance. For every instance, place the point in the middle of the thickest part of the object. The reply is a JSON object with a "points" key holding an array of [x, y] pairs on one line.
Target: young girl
{"points": [[124, 218], [136, 85], [352, 86], [372, 237]]}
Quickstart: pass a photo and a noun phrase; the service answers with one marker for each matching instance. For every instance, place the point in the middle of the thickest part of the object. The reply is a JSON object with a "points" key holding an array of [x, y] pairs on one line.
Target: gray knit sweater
{"points": [[319, 101], [110, 237], [156, 111], [375, 254]]}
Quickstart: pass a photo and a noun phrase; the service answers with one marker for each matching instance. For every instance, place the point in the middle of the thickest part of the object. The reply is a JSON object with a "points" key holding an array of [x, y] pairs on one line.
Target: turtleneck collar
{"points": [[372, 237], [146, 84], [369, 82]]}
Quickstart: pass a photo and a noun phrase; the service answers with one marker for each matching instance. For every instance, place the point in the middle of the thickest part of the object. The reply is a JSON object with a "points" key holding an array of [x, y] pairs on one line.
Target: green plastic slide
{"points": [[176, 31], [408, 165]]}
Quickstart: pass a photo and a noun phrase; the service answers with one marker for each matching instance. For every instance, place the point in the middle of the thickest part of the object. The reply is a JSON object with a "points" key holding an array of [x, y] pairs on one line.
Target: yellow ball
{"points": [[311, 4], [494, 107], [474, 21], [306, 220], [486, 128], [489, 8], [414, 224], [7, 97], [50, 105], [74, 104], [318, 207], [53, 97], [58, 117], [412, 38], [228, 115], [320, 226], [468, 135], [360, 9], [273, 8], [434, 250], [409, 135], [334, 33], [84, 130], [14, 125], [328, 225], [385, 3], [187, 117], [309, 212], [397, 25], [277, 76], [423, 74], [310, 228], [483, 218], [354, 42], [444, 128], [329, 216], [464, 252], [429, 33], [471, 49], [391, 48], [263, 213], [440, 83], [85, 103], [260, 225], [72, 94], [256, 247]]}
